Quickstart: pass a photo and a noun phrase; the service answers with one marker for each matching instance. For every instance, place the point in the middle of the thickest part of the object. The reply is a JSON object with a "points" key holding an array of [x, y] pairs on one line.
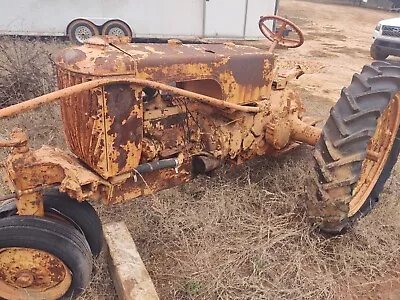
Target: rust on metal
{"points": [[81, 87], [378, 151], [203, 164], [281, 81], [32, 272], [231, 67], [18, 140], [125, 105], [139, 118], [29, 191], [278, 38]]}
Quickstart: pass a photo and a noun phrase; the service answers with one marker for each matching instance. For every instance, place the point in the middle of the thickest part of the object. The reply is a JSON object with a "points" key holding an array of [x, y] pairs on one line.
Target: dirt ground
{"points": [[337, 42], [243, 233]]}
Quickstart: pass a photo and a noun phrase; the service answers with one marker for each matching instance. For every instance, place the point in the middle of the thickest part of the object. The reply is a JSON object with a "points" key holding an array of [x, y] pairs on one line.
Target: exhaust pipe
{"points": [[204, 164]]}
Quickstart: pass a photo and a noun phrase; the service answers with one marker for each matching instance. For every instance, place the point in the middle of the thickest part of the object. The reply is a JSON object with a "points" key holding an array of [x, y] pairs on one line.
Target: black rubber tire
{"points": [[82, 215], [342, 147], [107, 28], [54, 237], [376, 54], [74, 25]]}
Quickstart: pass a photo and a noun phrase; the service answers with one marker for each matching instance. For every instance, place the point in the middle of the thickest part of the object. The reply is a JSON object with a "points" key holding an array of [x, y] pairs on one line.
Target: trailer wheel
{"points": [[41, 258], [60, 206], [357, 150], [116, 28], [80, 30]]}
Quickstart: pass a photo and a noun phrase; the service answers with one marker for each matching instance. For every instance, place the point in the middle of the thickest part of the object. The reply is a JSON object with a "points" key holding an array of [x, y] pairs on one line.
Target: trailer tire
{"points": [[80, 30], [356, 152], [37, 238], [116, 28], [59, 205]]}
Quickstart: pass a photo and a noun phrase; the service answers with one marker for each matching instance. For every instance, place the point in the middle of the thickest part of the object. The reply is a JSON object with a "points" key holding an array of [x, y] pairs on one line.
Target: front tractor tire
{"points": [[60, 206], [357, 150], [42, 258]]}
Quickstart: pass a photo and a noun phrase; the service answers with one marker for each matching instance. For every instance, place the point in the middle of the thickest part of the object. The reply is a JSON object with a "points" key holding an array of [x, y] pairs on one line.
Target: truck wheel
{"points": [[41, 258], [376, 54], [116, 28], [80, 30], [60, 206], [357, 149]]}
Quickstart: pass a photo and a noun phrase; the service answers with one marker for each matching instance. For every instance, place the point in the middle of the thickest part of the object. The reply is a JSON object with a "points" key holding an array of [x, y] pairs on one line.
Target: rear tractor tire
{"points": [[357, 150]]}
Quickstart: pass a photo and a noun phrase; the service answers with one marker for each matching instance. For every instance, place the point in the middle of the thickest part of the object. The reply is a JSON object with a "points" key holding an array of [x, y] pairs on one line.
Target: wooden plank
{"points": [[130, 276]]}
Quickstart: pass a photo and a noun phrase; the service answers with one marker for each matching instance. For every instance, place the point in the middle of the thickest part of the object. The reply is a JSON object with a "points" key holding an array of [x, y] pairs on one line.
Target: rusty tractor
{"points": [[139, 118]]}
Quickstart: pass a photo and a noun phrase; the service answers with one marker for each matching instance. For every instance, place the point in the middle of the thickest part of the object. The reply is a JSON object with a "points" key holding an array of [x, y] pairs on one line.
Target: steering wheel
{"points": [[278, 37]]}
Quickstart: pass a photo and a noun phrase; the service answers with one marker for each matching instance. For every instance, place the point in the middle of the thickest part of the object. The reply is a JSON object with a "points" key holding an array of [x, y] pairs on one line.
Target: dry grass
{"points": [[26, 69], [243, 233]]}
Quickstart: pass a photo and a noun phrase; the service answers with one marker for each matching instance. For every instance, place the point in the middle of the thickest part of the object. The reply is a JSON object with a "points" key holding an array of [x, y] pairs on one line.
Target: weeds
{"points": [[26, 70], [244, 234]]}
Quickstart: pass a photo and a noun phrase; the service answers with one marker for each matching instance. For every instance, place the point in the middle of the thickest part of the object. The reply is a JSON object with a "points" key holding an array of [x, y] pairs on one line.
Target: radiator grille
{"points": [[391, 31]]}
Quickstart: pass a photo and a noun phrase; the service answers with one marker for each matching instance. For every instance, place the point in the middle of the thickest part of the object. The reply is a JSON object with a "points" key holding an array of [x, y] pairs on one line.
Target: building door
{"points": [[255, 9], [225, 18]]}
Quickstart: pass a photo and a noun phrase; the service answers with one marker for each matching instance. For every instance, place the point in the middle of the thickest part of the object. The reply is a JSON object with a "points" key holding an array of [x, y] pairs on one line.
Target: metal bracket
{"points": [[281, 82]]}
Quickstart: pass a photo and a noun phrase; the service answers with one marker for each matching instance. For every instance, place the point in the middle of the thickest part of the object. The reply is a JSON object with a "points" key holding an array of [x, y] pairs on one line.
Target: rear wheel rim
{"points": [[378, 150], [32, 274]]}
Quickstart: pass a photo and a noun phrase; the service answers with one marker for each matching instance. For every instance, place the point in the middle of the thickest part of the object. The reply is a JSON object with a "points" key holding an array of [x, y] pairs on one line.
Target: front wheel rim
{"points": [[32, 274], [378, 150]]}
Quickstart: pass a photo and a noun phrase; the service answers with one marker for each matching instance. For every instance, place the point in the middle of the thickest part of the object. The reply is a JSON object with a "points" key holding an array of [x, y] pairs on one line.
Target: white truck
{"points": [[386, 39], [135, 18]]}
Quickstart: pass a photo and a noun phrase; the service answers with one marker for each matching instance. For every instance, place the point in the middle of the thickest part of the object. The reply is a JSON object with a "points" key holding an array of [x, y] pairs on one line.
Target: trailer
{"points": [[187, 19]]}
